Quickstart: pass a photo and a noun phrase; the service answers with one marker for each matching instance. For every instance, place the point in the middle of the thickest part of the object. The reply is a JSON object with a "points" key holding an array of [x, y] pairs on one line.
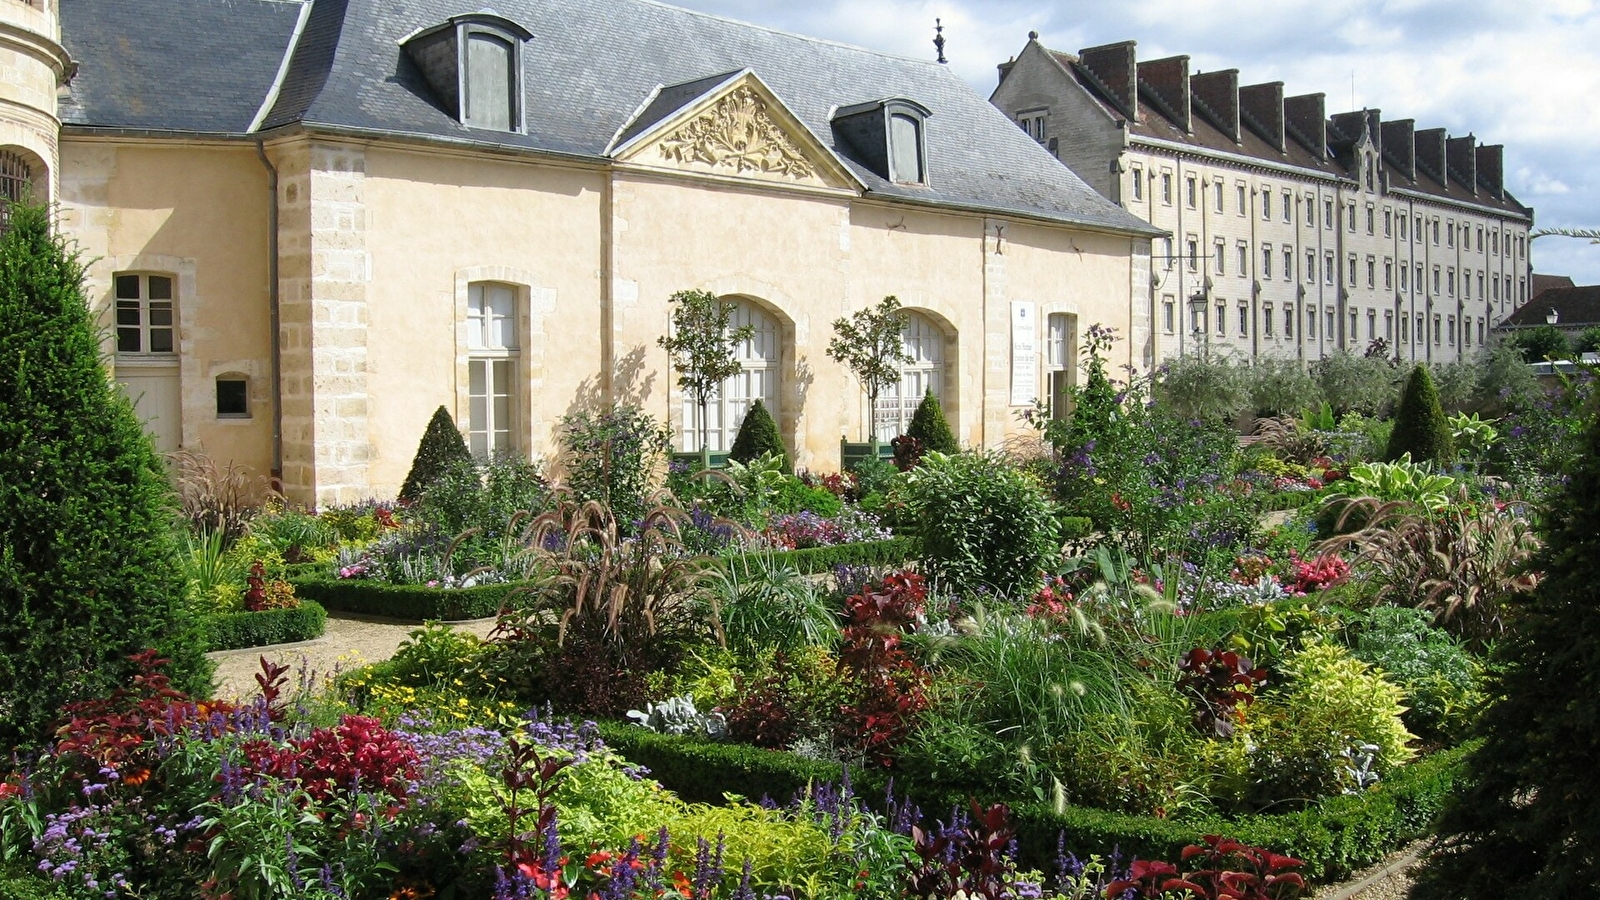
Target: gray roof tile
{"points": [[587, 69]]}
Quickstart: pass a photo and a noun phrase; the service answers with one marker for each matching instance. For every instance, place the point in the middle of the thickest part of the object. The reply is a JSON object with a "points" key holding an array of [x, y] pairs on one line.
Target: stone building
{"points": [[1292, 232], [311, 222]]}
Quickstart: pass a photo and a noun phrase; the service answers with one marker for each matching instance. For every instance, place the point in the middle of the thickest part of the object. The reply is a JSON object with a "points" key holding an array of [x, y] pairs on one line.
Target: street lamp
{"points": [[1197, 309], [1552, 317]]}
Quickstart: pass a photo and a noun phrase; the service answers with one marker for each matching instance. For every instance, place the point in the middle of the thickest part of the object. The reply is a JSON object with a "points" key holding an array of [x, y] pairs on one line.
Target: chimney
{"points": [[1112, 68], [1165, 83], [1492, 170], [1305, 119], [1461, 158], [1399, 146], [1216, 96], [1430, 154], [1005, 68], [1261, 108]]}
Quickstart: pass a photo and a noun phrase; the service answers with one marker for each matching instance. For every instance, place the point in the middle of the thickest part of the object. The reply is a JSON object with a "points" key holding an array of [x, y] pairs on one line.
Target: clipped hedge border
{"points": [[814, 560], [237, 630], [406, 602], [1333, 838]]}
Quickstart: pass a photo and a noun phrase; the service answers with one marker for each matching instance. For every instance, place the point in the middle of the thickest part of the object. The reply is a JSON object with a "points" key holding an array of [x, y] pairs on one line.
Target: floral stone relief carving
{"points": [[738, 134]]}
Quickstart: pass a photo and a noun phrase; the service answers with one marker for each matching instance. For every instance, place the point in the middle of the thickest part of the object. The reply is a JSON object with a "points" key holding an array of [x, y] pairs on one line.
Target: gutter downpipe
{"points": [[274, 315]]}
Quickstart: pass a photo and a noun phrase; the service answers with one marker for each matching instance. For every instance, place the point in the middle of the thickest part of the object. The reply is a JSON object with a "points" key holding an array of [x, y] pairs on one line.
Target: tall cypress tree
{"points": [[1420, 427], [441, 447], [1528, 824], [88, 527]]}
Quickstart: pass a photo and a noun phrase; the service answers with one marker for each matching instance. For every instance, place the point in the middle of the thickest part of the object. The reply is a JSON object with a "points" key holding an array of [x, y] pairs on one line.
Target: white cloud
{"points": [[1522, 75]]}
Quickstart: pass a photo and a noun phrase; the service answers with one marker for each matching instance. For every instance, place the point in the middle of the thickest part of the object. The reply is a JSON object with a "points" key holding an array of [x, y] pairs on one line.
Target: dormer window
{"points": [[887, 136], [474, 65]]}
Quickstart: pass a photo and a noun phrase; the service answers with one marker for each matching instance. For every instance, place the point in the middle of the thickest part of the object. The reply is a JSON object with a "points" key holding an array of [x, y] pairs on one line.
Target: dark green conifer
{"points": [[89, 571], [1420, 427], [758, 436], [1526, 824], [928, 425], [441, 447]]}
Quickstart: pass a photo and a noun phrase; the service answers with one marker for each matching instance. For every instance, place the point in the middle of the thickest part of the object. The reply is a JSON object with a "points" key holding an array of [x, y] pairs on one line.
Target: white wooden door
{"points": [[158, 402]]}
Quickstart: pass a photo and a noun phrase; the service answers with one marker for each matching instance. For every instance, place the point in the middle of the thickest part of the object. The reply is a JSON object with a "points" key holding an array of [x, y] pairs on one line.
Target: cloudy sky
{"points": [[1523, 74]]}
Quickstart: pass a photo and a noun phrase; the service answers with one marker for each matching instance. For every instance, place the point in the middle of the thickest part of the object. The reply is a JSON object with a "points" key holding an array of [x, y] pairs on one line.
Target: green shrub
{"points": [[982, 522], [1526, 826], [928, 425], [757, 437], [1280, 387], [610, 455], [237, 630], [1206, 388], [815, 560], [793, 496], [768, 604], [407, 602], [441, 446], [89, 566], [1439, 676], [1075, 528], [1327, 703], [1351, 383], [1541, 343], [1420, 428]]}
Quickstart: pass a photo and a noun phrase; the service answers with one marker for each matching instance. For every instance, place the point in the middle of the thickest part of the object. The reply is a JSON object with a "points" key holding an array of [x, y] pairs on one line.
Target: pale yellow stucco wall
{"points": [[197, 213]]}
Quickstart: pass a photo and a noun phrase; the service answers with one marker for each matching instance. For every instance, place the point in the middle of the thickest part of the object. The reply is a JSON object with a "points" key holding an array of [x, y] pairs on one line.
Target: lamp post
{"points": [[1552, 317], [1197, 309]]}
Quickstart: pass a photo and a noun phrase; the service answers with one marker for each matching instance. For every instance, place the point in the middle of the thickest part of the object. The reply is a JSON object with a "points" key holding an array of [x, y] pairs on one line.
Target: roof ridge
{"points": [[790, 34]]}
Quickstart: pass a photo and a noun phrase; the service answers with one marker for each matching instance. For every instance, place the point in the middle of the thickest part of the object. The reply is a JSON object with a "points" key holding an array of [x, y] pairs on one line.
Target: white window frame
{"points": [[493, 357]]}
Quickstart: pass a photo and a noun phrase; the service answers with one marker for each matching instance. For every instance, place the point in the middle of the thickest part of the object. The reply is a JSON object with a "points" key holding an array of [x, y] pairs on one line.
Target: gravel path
{"points": [[349, 641], [1388, 880]]}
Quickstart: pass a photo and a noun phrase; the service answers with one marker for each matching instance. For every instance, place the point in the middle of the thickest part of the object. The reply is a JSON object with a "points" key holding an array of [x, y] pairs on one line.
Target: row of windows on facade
{"points": [[1490, 238], [1444, 277], [146, 330], [1444, 326]]}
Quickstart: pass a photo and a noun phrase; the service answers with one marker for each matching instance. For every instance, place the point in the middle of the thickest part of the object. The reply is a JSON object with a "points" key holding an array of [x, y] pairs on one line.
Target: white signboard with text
{"points": [[1024, 353]]}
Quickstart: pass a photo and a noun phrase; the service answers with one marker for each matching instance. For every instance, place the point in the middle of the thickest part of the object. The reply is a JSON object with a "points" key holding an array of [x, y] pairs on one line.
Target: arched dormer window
{"points": [[473, 63], [887, 136]]}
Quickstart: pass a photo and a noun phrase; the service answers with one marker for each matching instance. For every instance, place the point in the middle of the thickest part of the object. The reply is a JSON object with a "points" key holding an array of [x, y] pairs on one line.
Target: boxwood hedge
{"points": [[236, 630], [1333, 838], [406, 602]]}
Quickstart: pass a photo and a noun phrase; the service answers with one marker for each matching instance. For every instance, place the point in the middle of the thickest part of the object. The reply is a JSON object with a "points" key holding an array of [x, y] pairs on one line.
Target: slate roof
{"points": [[173, 65], [1579, 307], [206, 65], [1154, 123]]}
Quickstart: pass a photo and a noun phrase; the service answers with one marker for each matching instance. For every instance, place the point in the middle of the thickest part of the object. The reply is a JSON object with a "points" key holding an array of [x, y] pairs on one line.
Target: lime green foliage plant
{"points": [[928, 425], [870, 345], [1420, 429], [758, 436], [982, 522], [1525, 826], [89, 555], [702, 345], [1328, 711], [441, 447], [1401, 480], [1439, 677]]}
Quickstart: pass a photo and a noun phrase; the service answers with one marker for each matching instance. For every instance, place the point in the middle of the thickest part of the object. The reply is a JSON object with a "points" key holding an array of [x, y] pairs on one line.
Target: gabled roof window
{"points": [[887, 136], [473, 63]]}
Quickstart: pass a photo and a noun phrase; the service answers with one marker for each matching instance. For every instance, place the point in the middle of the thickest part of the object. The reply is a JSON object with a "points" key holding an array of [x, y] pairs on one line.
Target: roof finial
{"points": [[1033, 35], [938, 39]]}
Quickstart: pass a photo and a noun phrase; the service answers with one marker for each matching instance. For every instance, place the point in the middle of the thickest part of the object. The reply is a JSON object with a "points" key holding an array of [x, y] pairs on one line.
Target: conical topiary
{"points": [[758, 436], [441, 446], [928, 425], [89, 566], [1522, 822], [1420, 427]]}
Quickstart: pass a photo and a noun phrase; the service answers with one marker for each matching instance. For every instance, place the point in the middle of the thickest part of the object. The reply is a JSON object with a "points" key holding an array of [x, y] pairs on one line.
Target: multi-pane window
{"points": [[1266, 261], [1288, 264], [1168, 314], [1061, 353], [1388, 223], [1190, 192], [1244, 319], [491, 368], [1404, 220], [1405, 329], [1388, 325], [1266, 203], [1480, 238], [1372, 325], [1436, 231], [1242, 256], [1220, 199], [1449, 233], [1311, 211], [1288, 321], [1327, 323], [1288, 206], [1388, 274], [1422, 329], [146, 320], [1482, 336], [1350, 270], [1369, 218], [1405, 278], [1267, 322], [923, 342], [1480, 286], [1438, 329], [1137, 175], [1372, 273], [15, 178], [1166, 188], [1351, 336], [1327, 267], [1244, 202], [1194, 255], [1033, 124], [1436, 281], [1350, 216], [1327, 212], [1220, 263], [759, 358], [1222, 318], [1311, 266], [1311, 323]]}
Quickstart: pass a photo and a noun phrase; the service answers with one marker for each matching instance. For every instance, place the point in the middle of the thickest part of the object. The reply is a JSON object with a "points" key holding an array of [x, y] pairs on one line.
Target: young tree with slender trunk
{"points": [[702, 346], [870, 345]]}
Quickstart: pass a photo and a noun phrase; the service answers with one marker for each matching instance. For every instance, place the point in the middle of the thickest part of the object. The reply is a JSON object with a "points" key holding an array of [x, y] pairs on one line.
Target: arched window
{"points": [[15, 177], [923, 341], [759, 358]]}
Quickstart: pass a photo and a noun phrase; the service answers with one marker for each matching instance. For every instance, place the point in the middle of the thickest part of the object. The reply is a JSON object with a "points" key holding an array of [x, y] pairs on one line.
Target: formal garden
{"points": [[1215, 632]]}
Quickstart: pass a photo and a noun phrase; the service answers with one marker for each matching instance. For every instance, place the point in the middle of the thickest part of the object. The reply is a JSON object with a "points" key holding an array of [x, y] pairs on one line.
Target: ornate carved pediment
{"points": [[739, 136], [743, 131]]}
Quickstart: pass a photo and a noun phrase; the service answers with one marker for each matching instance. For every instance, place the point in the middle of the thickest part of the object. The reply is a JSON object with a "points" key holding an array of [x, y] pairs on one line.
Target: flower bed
{"points": [[237, 630], [406, 602]]}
